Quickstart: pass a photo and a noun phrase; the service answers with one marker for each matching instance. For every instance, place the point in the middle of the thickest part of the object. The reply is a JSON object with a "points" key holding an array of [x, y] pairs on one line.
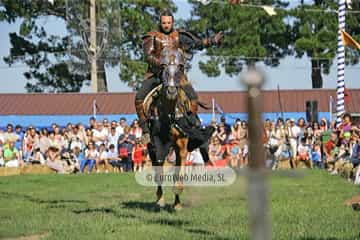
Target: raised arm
{"points": [[189, 41]]}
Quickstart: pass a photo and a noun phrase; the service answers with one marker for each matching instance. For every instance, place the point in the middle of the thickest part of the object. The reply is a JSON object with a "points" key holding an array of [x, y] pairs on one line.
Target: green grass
{"points": [[114, 206]]}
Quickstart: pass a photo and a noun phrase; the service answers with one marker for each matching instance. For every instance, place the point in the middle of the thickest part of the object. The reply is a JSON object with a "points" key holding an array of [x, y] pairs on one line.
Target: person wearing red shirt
{"points": [[138, 155], [330, 145]]}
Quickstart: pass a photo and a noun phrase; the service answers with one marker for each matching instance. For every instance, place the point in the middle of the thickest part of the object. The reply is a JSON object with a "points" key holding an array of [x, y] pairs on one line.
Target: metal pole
{"points": [[257, 187], [93, 46], [340, 91]]}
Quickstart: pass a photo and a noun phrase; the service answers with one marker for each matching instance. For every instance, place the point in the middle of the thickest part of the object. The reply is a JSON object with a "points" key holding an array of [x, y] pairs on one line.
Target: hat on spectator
{"points": [[292, 119]]}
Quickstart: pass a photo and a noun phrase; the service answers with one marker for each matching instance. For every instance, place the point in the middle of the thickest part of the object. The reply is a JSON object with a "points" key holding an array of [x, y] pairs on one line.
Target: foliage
{"points": [[59, 64], [249, 32]]}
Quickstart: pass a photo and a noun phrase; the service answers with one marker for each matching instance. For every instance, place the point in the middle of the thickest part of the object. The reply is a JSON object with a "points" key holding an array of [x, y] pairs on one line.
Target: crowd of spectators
{"points": [[75, 148], [324, 145], [117, 145]]}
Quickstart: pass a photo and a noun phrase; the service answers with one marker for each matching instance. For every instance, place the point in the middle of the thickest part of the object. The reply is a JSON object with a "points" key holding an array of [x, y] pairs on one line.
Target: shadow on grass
{"points": [[95, 210], [329, 238], [103, 210], [147, 206], [8, 195], [177, 223]]}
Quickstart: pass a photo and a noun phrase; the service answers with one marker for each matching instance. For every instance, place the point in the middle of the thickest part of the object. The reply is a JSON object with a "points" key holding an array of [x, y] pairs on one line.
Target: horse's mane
{"points": [[153, 98]]}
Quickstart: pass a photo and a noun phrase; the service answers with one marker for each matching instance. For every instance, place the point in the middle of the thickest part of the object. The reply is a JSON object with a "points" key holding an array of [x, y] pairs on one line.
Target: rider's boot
{"points": [[195, 120], [139, 106]]}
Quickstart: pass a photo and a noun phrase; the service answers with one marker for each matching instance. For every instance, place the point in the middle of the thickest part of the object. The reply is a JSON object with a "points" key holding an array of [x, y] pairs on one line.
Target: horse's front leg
{"points": [[181, 155], [160, 201]]}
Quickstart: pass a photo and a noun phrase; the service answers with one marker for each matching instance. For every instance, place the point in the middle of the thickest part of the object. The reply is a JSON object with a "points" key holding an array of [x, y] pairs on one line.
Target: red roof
{"points": [[116, 103]]}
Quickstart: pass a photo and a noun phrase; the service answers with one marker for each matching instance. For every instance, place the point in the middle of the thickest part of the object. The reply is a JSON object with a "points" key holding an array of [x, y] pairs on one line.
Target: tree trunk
{"points": [[101, 77], [317, 81]]}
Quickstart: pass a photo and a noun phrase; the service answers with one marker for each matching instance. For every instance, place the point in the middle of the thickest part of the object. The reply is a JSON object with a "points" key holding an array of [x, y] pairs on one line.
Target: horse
{"points": [[165, 106]]}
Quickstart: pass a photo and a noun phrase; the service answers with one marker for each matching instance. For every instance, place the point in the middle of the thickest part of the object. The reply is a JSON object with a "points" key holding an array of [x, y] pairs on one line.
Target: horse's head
{"points": [[172, 62]]}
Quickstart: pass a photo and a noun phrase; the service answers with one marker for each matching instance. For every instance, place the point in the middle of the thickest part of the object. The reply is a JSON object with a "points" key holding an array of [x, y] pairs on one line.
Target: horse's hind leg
{"points": [[181, 154]]}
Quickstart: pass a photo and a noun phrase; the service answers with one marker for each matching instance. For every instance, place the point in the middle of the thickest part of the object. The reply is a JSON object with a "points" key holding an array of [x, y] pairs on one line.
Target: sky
{"points": [[291, 74]]}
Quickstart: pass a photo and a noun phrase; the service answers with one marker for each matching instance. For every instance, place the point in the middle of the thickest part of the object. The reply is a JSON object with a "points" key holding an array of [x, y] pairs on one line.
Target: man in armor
{"points": [[153, 43]]}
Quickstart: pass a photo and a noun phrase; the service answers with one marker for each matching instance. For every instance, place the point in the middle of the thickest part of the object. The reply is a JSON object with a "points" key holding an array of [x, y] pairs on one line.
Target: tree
{"points": [[250, 34], [58, 63], [315, 33]]}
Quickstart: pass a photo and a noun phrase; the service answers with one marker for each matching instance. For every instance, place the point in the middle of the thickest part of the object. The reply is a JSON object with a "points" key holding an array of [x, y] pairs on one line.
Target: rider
{"points": [[153, 43]]}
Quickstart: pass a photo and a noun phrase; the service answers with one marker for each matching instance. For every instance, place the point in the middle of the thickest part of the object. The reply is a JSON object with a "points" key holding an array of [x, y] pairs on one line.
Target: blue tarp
{"points": [[41, 121]]}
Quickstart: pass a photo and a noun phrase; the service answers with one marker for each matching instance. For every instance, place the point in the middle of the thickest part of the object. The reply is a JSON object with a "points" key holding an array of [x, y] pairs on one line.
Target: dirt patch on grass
{"points": [[29, 237]]}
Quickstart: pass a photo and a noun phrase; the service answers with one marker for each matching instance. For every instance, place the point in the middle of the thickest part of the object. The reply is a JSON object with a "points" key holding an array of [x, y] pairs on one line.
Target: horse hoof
{"points": [[178, 207], [161, 202]]}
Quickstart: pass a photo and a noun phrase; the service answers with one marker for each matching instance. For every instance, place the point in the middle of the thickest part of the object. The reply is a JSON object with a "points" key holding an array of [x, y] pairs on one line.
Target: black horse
{"points": [[171, 124]]}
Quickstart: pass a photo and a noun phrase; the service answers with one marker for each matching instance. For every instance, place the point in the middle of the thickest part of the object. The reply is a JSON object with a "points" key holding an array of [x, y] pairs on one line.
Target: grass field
{"points": [[114, 206]]}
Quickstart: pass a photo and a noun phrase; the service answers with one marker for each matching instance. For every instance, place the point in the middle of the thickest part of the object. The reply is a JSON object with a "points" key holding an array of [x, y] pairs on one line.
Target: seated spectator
{"points": [[339, 158], [78, 157], [69, 160], [102, 159], [75, 142], [100, 134], [10, 135], [37, 157], [54, 162], [303, 154], [221, 134], [345, 129], [29, 142], [88, 136], [171, 157], [355, 150], [316, 155], [43, 142], [330, 149], [195, 158], [11, 155], [235, 153], [114, 159], [2, 162], [216, 151], [91, 154]]}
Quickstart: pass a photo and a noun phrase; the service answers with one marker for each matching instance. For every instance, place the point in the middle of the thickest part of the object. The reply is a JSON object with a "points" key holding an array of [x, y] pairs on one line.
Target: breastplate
{"points": [[166, 41]]}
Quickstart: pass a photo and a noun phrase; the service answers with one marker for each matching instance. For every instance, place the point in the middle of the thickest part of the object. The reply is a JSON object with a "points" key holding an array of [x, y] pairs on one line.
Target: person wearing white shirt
{"points": [[293, 132], [99, 134], [196, 158], [113, 138], [114, 159], [303, 154], [122, 125], [103, 159]]}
